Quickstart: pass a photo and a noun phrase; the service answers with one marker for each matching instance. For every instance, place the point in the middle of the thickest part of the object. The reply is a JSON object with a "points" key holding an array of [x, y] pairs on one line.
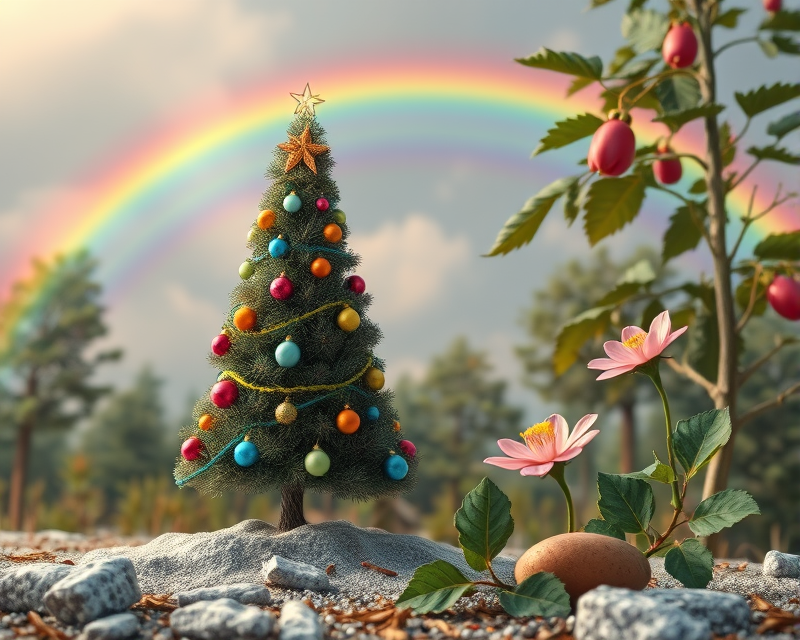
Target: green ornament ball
{"points": [[339, 216], [251, 235], [317, 462], [246, 270]]}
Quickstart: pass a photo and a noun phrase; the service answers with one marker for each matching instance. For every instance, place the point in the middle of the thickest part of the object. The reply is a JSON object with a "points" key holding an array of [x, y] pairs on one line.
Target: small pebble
{"points": [[570, 624], [466, 634], [330, 618]]}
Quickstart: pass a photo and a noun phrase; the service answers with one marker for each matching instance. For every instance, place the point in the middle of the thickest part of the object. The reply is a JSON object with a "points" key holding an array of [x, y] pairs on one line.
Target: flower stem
{"points": [[655, 376], [557, 472]]}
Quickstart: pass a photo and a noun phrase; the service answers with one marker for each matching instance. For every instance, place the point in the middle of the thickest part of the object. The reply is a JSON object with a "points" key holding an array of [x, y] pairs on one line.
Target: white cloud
{"points": [[408, 265], [184, 304]]}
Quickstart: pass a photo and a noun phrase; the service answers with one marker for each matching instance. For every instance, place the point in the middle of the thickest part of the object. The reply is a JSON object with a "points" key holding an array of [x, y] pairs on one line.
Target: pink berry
{"points": [[220, 345], [408, 448], [356, 284], [772, 5], [191, 448], [680, 46], [783, 295], [224, 393], [612, 149], [667, 171], [322, 204]]}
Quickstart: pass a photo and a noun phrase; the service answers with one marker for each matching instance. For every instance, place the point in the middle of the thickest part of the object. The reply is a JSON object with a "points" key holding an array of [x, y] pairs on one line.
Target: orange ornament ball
{"points": [[320, 267], [332, 232], [348, 421], [206, 422], [244, 318], [266, 219]]}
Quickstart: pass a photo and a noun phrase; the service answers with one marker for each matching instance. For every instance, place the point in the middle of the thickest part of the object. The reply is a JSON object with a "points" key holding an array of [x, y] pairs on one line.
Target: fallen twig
{"points": [[386, 572], [158, 602], [34, 556], [42, 627]]}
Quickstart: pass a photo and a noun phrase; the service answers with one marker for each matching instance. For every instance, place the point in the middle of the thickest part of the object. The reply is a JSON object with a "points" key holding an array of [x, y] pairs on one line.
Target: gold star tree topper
{"points": [[302, 148], [306, 101]]}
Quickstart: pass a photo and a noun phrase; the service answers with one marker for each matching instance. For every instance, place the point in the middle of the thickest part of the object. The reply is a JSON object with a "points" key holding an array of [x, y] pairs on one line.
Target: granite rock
{"points": [[93, 590], [242, 592], [297, 575], [781, 565], [726, 613], [117, 627], [299, 622], [23, 588], [222, 619]]}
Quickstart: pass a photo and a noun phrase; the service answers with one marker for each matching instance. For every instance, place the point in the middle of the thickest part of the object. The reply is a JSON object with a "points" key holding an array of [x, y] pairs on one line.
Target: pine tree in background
{"points": [[299, 402]]}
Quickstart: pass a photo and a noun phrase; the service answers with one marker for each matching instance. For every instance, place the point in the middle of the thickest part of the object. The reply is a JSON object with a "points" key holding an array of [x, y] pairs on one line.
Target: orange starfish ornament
{"points": [[301, 148]]}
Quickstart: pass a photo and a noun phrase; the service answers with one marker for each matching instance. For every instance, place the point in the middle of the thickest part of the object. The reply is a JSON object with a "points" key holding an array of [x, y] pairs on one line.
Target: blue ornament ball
{"points": [[292, 203], [395, 467], [373, 413], [278, 247], [287, 354], [245, 454]]}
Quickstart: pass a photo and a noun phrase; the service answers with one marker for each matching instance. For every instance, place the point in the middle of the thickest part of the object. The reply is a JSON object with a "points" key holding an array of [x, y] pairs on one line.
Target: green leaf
{"points": [[636, 4], [523, 225], [571, 207], [677, 119], [622, 56], [598, 3], [730, 18], [678, 93], [742, 295], [726, 144], [434, 587], [683, 233], [639, 275], [658, 471], [763, 98], [723, 509], [645, 29], [611, 204], [568, 131], [589, 324], [541, 594], [697, 439], [564, 62], [782, 21], [786, 124], [769, 48], [773, 152], [779, 246], [484, 524], [786, 45], [627, 503], [691, 563], [698, 187], [577, 84], [603, 528]]}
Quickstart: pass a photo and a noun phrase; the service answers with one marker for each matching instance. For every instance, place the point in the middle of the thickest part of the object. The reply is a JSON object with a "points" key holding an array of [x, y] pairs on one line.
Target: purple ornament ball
{"points": [[356, 284]]}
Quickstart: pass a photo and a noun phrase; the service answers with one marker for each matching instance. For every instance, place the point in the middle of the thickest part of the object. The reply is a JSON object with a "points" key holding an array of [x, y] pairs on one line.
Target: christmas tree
{"points": [[299, 401]]}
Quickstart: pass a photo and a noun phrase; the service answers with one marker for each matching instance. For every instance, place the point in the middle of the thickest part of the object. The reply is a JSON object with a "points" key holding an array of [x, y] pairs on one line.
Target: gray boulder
{"points": [[223, 619], [94, 590], [781, 565], [297, 575], [117, 627], [242, 592], [299, 622], [23, 588], [725, 613]]}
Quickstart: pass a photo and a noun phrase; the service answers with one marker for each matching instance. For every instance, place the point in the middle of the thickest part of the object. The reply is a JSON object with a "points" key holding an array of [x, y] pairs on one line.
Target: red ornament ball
{"points": [[667, 171], [220, 345], [783, 295], [680, 46], [281, 288], [323, 204], [224, 393], [408, 448], [191, 448], [772, 5], [612, 149], [356, 284]]}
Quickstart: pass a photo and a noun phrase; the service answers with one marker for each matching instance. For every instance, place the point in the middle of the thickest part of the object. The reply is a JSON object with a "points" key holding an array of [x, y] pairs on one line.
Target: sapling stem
{"points": [[677, 502], [557, 472]]}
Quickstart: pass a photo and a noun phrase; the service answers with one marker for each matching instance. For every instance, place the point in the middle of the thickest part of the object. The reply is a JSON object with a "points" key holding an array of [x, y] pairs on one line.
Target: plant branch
{"points": [[769, 404], [733, 43], [497, 581], [746, 126], [746, 222], [746, 173], [662, 538], [748, 373], [686, 370], [752, 302]]}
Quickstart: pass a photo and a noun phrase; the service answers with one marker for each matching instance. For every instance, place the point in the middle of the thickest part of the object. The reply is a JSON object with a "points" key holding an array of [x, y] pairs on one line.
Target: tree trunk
{"points": [[291, 508], [19, 474], [717, 473], [627, 461]]}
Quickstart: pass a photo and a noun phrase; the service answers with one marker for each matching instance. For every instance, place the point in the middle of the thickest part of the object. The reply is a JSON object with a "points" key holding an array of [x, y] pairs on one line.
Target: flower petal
{"points": [[602, 363], [582, 426], [560, 432], [585, 439], [537, 470], [659, 330], [569, 454], [675, 335], [622, 354], [629, 332], [508, 463], [613, 373], [515, 449]]}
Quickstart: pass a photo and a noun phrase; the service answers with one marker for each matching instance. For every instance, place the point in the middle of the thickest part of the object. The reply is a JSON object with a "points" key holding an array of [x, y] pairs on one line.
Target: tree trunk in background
{"points": [[291, 508], [627, 459], [19, 474]]}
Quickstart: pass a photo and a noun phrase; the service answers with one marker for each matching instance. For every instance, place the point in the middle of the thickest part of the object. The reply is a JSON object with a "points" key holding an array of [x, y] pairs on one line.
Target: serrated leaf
{"points": [[573, 335], [697, 439], [571, 206], [678, 93], [772, 152], [683, 234], [779, 246], [769, 48], [484, 524], [730, 18], [658, 471], [627, 503], [786, 45], [611, 204], [677, 119], [434, 587], [698, 187], [523, 225], [645, 29], [541, 594], [726, 144], [763, 98], [568, 131], [690, 563], [565, 62], [577, 84], [723, 509], [598, 3], [603, 528], [639, 275], [622, 56], [786, 124], [782, 21]]}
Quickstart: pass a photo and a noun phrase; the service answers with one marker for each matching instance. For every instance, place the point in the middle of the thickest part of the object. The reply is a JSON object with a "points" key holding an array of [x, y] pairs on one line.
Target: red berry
{"points": [[772, 5], [667, 171], [680, 46], [612, 149], [783, 294], [220, 345]]}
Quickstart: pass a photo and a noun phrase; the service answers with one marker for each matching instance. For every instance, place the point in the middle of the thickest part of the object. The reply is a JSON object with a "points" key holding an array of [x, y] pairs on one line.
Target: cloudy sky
{"points": [[88, 83]]}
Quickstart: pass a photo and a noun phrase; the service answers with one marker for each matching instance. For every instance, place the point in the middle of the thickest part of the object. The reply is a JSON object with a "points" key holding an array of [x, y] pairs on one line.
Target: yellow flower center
{"points": [[539, 434], [634, 342]]}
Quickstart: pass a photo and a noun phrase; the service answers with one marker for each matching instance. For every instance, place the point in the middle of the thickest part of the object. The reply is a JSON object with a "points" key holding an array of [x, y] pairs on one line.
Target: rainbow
{"points": [[199, 165]]}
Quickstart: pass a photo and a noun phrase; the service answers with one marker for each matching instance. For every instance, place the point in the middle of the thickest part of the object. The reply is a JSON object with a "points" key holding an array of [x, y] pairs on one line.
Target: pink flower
{"points": [[637, 347], [547, 442]]}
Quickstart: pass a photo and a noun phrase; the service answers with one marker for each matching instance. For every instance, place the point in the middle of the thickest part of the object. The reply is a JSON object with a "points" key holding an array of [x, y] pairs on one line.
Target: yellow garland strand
{"points": [[318, 387], [288, 322]]}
